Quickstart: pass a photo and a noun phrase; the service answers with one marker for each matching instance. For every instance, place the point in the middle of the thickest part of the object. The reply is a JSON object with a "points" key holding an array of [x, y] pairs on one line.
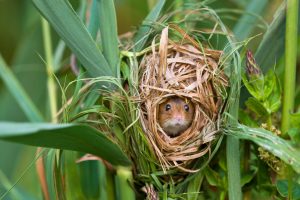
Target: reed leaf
{"points": [[143, 33], [93, 25], [267, 55], [64, 136], [272, 143], [71, 29], [109, 34]]}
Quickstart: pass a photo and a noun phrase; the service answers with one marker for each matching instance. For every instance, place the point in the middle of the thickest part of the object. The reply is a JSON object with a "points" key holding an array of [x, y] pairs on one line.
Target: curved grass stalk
{"points": [[50, 70]]}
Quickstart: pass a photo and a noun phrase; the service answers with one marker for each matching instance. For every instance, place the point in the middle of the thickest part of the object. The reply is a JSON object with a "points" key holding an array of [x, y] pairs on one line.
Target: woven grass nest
{"points": [[185, 69]]}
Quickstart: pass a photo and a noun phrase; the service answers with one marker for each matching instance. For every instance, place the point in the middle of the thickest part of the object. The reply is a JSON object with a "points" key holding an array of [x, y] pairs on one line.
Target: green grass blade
{"points": [[267, 54], [64, 136], [58, 176], [58, 55], [142, 35], [272, 143], [71, 29], [61, 46], [14, 193], [11, 187], [248, 22], [72, 180], [19, 93], [233, 165], [109, 34], [93, 25], [232, 144], [89, 178]]}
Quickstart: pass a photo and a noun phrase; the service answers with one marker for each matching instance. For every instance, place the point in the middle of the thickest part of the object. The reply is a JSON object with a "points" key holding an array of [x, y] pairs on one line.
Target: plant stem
{"points": [[233, 165], [269, 121], [50, 70], [123, 181], [290, 63], [232, 143]]}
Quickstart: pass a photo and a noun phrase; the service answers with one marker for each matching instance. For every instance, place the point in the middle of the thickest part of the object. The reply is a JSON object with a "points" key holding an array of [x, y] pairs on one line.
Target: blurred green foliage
{"points": [[21, 46]]}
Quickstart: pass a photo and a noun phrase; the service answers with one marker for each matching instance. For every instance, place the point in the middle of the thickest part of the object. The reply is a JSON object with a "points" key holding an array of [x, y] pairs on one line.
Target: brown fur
{"points": [[175, 120]]}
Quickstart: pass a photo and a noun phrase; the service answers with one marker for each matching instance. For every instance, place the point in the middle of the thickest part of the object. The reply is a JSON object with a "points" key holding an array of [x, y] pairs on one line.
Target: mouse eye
{"points": [[168, 107], [186, 108]]}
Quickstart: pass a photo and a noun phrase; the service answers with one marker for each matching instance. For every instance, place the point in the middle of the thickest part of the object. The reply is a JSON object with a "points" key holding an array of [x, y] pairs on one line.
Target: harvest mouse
{"points": [[175, 115]]}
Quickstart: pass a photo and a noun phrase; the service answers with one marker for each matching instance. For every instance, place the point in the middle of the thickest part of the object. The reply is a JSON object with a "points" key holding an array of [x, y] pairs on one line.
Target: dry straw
{"points": [[186, 69]]}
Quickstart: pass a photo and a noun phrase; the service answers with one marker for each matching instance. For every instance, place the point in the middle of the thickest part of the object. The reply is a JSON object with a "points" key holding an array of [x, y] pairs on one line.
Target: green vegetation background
{"points": [[22, 48]]}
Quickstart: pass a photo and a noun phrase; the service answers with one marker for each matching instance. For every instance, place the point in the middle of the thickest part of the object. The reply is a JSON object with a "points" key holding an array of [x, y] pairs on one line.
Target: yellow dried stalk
{"points": [[185, 70]]}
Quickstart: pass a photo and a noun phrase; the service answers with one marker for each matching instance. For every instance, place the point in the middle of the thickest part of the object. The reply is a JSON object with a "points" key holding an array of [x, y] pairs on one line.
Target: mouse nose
{"points": [[178, 118]]}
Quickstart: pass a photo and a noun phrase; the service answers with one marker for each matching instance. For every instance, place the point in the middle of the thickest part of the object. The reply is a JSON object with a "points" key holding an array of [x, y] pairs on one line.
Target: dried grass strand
{"points": [[187, 70]]}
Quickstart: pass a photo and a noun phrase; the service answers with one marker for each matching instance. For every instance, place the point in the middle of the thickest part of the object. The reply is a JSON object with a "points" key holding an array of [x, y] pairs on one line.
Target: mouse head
{"points": [[175, 115]]}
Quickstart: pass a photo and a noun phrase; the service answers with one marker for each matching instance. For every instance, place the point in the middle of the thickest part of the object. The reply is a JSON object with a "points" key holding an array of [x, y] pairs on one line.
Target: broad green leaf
{"points": [[295, 119], [269, 84], [282, 187], [257, 107], [71, 29], [270, 142], [244, 118], [294, 134], [64, 136], [143, 33], [273, 101], [246, 178], [109, 34], [212, 177], [16, 89], [255, 87]]}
